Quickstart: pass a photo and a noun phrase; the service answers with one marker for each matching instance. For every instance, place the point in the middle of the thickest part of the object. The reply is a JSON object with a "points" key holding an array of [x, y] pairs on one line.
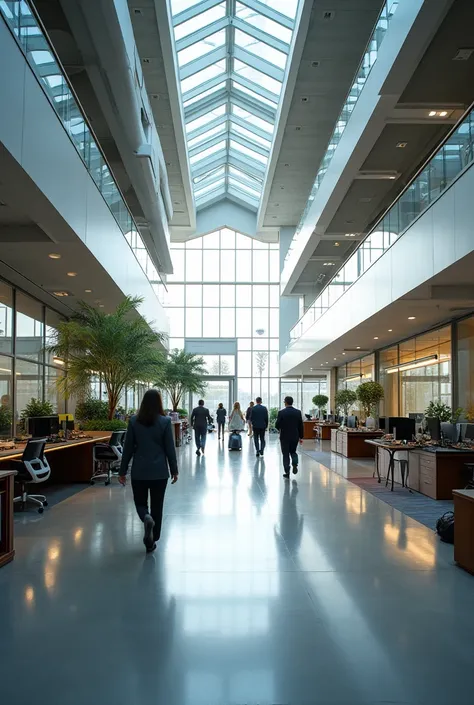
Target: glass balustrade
{"points": [[368, 60], [456, 153], [22, 22]]}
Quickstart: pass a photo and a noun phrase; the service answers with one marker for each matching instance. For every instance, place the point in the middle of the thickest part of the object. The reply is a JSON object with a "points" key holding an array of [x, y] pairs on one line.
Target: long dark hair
{"points": [[150, 408]]}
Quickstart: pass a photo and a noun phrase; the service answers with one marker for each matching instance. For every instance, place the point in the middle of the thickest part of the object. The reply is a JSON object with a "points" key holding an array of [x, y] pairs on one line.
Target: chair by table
{"points": [[107, 457], [32, 469]]}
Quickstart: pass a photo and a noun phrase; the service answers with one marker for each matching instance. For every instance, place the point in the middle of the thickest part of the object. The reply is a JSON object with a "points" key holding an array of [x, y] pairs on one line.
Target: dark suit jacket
{"points": [[259, 416], [200, 417], [151, 449], [290, 424]]}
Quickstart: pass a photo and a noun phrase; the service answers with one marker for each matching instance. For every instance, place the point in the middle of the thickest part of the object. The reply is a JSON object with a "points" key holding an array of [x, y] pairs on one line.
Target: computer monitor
{"points": [[403, 428], [450, 431], [43, 426], [308, 417], [351, 421], [331, 418], [434, 428], [469, 432]]}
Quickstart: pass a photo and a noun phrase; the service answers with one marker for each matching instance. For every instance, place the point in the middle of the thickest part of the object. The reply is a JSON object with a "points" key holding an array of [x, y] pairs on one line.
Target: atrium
{"points": [[227, 200]]}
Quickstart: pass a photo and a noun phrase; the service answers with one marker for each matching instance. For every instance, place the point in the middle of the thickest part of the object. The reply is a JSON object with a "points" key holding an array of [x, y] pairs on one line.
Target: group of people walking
{"points": [[150, 449]]}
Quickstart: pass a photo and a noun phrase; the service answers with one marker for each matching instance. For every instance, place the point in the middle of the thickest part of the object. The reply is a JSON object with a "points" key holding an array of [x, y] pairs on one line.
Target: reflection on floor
{"points": [[346, 467], [262, 591]]}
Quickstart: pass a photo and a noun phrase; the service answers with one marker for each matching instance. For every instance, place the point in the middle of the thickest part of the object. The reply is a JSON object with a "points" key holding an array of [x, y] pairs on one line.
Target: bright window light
{"points": [[256, 96], [207, 152], [252, 119], [204, 94], [248, 152], [197, 79], [260, 49], [250, 136], [257, 77], [205, 119], [207, 136], [263, 23], [199, 49]]}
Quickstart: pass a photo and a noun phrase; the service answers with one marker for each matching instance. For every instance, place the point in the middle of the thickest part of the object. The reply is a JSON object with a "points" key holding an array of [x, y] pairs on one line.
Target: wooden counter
{"points": [[308, 427], [7, 551], [464, 529], [323, 430], [70, 461], [434, 473], [351, 443]]}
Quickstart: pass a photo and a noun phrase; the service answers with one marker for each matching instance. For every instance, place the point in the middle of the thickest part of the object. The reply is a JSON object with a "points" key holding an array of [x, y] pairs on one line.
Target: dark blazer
{"points": [[259, 416], [220, 415], [200, 417], [151, 449], [290, 424]]}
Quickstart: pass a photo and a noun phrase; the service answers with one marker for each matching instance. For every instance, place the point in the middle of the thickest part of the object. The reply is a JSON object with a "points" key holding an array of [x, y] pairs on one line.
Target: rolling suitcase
{"points": [[235, 441]]}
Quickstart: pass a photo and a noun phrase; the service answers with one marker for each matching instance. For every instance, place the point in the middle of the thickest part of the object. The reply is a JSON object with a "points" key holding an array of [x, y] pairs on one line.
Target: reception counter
{"points": [[351, 443], [323, 430], [308, 429]]}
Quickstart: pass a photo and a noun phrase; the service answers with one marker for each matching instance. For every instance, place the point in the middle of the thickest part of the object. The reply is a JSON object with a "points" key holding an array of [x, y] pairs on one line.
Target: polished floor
{"points": [[262, 591]]}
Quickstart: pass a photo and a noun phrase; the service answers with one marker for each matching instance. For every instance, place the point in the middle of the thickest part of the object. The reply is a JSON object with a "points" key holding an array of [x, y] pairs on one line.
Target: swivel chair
{"points": [[33, 468], [107, 457]]}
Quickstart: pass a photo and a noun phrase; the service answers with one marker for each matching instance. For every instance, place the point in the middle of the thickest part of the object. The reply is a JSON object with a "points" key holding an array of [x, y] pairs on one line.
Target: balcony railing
{"points": [[368, 60], [444, 166], [27, 29]]}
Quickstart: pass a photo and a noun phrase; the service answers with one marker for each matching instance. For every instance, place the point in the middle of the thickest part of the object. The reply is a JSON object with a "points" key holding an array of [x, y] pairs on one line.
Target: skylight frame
{"points": [[260, 106]]}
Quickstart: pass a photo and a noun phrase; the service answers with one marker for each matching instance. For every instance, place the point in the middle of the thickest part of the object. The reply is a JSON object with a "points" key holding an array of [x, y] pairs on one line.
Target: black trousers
{"points": [[200, 436], [259, 439], [156, 489], [288, 449], [220, 429]]}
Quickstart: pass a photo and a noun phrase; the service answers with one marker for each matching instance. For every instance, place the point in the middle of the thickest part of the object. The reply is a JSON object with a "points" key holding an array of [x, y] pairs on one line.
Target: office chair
{"points": [[107, 457], [32, 469]]}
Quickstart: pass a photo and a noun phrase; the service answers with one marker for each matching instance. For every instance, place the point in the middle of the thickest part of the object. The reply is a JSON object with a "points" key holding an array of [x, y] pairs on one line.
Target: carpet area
{"points": [[415, 505]]}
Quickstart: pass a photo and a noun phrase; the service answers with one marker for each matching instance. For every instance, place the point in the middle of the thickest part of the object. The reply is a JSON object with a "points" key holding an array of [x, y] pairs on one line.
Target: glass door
{"points": [[217, 391]]}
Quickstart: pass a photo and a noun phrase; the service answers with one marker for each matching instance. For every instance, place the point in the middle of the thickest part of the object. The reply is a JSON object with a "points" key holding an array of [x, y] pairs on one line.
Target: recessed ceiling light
{"points": [[343, 353], [321, 364], [60, 293], [401, 145], [101, 305], [72, 274], [335, 358], [326, 363], [443, 113], [411, 318], [376, 337], [88, 291], [358, 347], [350, 234], [390, 330], [328, 264], [336, 244], [432, 113], [54, 255]]}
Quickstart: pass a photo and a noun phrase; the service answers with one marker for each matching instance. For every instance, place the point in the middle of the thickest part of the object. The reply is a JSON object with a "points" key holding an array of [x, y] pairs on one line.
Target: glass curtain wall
{"points": [[302, 392], [226, 285], [465, 366], [415, 372], [350, 375], [26, 370]]}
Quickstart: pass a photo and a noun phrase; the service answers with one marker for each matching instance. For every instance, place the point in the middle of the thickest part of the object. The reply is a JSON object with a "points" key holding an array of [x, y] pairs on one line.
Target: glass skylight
{"points": [[232, 59]]}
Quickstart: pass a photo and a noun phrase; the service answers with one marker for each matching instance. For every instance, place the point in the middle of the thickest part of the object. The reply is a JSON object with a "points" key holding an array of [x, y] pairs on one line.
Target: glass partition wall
{"points": [[26, 370]]}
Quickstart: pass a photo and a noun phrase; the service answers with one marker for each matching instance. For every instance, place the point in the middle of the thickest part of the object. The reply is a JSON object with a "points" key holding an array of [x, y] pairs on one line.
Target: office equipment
{"points": [[469, 432], [449, 431], [403, 428], [332, 418], [66, 421], [434, 428], [106, 457], [33, 468], [308, 417], [352, 422], [43, 426]]}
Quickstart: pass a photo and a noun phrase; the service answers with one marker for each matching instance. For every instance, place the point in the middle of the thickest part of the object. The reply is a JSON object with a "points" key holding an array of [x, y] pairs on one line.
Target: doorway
{"points": [[219, 389]]}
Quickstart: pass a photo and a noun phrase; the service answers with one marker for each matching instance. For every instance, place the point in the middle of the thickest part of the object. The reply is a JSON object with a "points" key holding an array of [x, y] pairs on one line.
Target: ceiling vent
{"points": [[315, 64], [304, 99], [463, 54], [137, 11], [145, 60], [328, 15]]}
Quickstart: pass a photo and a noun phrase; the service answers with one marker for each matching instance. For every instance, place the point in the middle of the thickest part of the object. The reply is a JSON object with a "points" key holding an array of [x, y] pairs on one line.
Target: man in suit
{"points": [[290, 425], [199, 420], [259, 421]]}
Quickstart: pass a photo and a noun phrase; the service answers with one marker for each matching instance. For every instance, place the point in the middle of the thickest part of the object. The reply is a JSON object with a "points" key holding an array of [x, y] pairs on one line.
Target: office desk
{"points": [[308, 429], [434, 472], [70, 461], [464, 529], [351, 443], [323, 430], [7, 551], [391, 449]]}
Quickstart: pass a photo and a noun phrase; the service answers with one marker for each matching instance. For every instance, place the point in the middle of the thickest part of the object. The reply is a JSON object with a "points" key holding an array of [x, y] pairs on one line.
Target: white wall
{"points": [[31, 131], [289, 305], [439, 238]]}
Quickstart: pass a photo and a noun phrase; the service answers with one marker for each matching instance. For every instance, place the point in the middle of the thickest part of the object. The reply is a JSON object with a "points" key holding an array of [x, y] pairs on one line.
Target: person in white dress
{"points": [[236, 419]]}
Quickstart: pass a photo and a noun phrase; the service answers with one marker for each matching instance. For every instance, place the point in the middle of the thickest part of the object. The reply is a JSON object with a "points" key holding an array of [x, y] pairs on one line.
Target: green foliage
{"points": [[272, 416], [456, 415], [370, 394], [92, 409], [439, 410], [103, 425], [120, 346], [5, 419], [320, 401], [36, 407], [181, 372], [182, 412], [344, 399]]}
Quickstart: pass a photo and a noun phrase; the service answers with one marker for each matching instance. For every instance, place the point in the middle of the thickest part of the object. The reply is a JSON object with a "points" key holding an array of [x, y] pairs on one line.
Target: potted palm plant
{"points": [[181, 372]]}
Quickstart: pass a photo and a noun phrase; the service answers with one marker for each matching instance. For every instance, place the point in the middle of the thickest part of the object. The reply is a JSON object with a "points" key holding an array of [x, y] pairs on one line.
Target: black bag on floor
{"points": [[445, 527], [235, 441]]}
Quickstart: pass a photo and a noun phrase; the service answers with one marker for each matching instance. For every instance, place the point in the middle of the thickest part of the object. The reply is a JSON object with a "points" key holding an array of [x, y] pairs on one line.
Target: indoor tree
{"points": [[344, 399], [370, 394], [120, 346], [181, 372], [320, 401]]}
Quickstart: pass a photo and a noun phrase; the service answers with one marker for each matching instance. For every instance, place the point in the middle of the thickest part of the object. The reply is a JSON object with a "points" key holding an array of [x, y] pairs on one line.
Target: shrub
{"points": [[182, 412], [92, 409], [36, 407], [320, 401], [370, 395], [103, 425], [5, 419], [438, 410], [272, 417], [344, 399]]}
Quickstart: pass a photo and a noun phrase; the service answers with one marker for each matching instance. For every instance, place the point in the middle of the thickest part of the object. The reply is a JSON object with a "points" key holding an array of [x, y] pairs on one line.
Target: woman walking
{"points": [[248, 418], [221, 413], [149, 444], [236, 419]]}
